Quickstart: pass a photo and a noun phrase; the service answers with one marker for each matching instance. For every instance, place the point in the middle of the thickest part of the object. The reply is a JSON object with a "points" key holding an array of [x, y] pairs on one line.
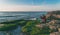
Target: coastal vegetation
{"points": [[28, 27]]}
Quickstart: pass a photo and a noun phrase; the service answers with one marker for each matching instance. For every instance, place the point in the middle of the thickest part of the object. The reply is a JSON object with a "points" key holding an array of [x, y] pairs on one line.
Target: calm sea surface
{"points": [[7, 16]]}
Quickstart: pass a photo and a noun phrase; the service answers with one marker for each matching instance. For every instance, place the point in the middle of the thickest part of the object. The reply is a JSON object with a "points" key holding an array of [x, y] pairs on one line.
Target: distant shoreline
{"points": [[23, 11]]}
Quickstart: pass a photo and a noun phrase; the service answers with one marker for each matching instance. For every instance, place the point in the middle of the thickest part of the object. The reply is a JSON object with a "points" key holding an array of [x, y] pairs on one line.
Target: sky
{"points": [[29, 5]]}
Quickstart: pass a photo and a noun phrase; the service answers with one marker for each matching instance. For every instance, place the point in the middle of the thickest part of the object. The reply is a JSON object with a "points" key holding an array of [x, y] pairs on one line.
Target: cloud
{"points": [[43, 7], [29, 8]]}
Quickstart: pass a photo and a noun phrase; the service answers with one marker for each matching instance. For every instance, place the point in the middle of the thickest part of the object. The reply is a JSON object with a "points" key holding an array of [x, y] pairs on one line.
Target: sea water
{"points": [[8, 16]]}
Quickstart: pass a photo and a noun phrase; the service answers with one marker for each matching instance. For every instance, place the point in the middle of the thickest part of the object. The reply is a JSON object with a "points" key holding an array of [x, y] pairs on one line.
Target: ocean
{"points": [[8, 16]]}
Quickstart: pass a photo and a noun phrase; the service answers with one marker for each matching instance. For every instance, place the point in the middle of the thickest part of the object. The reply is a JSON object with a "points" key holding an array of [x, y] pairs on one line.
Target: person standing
{"points": [[43, 19]]}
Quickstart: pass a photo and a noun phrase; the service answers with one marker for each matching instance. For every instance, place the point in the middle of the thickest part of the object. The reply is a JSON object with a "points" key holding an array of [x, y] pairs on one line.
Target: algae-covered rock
{"points": [[6, 27]]}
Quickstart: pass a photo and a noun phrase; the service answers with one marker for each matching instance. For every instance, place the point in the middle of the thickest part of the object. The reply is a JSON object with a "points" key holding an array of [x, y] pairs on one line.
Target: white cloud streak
{"points": [[8, 7], [29, 8]]}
